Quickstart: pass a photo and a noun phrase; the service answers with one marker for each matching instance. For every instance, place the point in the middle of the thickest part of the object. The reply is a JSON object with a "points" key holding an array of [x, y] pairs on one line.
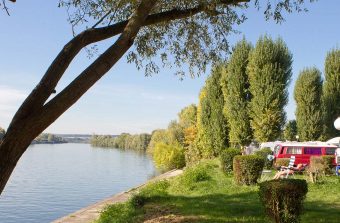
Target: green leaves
{"points": [[331, 92], [269, 71], [211, 123], [195, 40], [235, 87], [307, 94]]}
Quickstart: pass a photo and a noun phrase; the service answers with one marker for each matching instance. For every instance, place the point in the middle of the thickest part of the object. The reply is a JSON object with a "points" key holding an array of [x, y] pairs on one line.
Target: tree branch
{"points": [[67, 97], [38, 97]]}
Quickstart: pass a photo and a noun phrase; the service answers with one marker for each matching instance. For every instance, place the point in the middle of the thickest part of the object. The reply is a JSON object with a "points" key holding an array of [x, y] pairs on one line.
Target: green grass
{"points": [[204, 194]]}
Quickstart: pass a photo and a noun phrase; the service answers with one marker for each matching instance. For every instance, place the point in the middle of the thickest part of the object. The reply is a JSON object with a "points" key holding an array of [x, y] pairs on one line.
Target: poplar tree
{"points": [[331, 93], [269, 71], [235, 87], [290, 131], [307, 94], [212, 125]]}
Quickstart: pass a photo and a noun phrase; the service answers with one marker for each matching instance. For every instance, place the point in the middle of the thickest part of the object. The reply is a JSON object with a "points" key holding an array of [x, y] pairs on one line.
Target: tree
{"points": [[331, 93], [188, 116], [269, 71], [157, 136], [187, 120], [175, 133], [290, 131], [2, 133], [192, 31], [212, 126], [307, 94], [235, 87]]}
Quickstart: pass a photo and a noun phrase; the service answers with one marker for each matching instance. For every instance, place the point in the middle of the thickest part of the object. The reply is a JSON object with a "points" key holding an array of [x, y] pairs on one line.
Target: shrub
{"points": [[227, 157], [319, 166], [281, 162], [328, 164], [192, 154], [119, 213], [196, 174], [151, 191], [268, 164], [169, 156], [193, 177], [247, 169], [283, 199]]}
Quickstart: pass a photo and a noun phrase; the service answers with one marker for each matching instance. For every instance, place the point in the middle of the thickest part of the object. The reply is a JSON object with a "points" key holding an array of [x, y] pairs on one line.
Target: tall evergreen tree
{"points": [[269, 71], [331, 93], [307, 94], [290, 131], [211, 123], [235, 87]]}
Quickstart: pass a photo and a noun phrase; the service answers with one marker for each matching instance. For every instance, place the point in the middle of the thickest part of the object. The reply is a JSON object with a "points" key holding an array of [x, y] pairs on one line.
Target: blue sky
{"points": [[125, 100]]}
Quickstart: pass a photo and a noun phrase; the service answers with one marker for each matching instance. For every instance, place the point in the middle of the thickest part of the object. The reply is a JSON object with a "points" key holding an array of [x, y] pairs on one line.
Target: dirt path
{"points": [[91, 213]]}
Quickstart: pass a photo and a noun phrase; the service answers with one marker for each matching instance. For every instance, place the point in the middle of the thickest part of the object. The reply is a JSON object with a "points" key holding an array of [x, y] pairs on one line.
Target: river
{"points": [[51, 181]]}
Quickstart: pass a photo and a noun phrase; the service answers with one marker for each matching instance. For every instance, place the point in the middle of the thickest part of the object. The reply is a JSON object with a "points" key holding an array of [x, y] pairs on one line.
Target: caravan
{"points": [[303, 151]]}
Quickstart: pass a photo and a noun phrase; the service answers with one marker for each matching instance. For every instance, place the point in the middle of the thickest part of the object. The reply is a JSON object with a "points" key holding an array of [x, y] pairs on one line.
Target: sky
{"points": [[124, 100]]}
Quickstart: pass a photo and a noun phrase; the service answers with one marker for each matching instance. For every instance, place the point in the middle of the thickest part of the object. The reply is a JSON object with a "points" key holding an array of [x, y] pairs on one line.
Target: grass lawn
{"points": [[205, 194]]}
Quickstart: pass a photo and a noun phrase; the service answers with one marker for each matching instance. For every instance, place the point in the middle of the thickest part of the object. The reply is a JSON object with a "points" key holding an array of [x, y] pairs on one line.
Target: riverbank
{"points": [[92, 212]]}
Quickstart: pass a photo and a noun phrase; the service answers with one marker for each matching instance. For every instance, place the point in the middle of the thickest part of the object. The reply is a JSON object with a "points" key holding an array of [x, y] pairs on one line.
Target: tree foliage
{"points": [[187, 120], [188, 116], [269, 71], [169, 156], [193, 32], [197, 39], [211, 124], [331, 93], [235, 87], [290, 131], [138, 142], [307, 94]]}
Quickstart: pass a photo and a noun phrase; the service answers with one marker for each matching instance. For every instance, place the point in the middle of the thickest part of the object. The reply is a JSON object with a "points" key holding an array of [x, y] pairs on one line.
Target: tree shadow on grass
{"points": [[239, 207], [318, 211], [214, 208]]}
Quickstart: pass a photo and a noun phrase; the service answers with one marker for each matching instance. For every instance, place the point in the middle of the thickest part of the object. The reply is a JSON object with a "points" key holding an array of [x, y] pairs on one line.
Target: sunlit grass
{"points": [[205, 194]]}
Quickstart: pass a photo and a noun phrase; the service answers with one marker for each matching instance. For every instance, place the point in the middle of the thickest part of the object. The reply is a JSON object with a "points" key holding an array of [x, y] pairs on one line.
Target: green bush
{"points": [[151, 191], [227, 157], [247, 169], [193, 177], [281, 162], [283, 199], [119, 213], [328, 164], [169, 156], [268, 164], [192, 154], [196, 174], [320, 166]]}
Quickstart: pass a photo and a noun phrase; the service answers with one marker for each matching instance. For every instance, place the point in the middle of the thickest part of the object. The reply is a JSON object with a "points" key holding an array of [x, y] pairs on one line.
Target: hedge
{"points": [[283, 199], [227, 157], [328, 164], [247, 169]]}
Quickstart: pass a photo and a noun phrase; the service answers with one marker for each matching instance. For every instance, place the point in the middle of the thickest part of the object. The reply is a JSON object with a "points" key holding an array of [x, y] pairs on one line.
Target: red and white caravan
{"points": [[303, 150]]}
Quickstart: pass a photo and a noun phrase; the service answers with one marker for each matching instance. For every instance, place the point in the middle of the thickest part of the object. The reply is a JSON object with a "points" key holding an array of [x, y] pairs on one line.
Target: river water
{"points": [[51, 181]]}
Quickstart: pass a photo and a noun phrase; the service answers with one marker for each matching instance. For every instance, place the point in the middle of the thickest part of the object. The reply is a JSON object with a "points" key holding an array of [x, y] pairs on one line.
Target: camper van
{"points": [[303, 151]]}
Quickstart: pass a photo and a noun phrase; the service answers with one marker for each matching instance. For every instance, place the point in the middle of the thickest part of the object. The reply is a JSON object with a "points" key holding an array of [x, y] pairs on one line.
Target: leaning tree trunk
{"points": [[35, 115]]}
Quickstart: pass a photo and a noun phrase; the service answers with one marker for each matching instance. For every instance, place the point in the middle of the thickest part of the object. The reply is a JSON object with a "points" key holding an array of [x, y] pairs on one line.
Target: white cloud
{"points": [[10, 100]]}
